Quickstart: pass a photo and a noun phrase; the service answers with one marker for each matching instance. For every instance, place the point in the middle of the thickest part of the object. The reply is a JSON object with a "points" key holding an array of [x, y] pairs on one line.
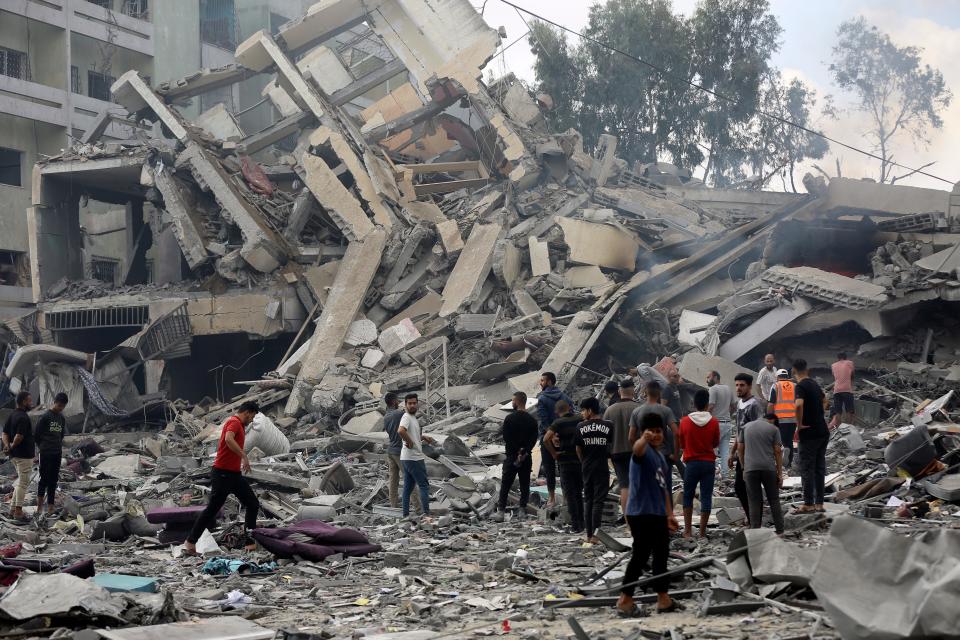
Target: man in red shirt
{"points": [[697, 438], [227, 478]]}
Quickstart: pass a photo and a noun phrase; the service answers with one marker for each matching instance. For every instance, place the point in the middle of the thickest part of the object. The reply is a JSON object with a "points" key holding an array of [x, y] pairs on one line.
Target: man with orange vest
{"points": [[782, 400]]}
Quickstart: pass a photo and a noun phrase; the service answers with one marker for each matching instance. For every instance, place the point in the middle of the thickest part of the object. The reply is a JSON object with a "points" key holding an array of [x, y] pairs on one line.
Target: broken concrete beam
{"points": [[539, 257], [410, 284], [415, 237], [260, 52], [763, 328], [599, 244], [606, 154], [427, 306], [336, 199], [135, 95], [468, 275], [187, 223], [274, 133], [219, 123], [524, 302], [828, 286], [262, 247], [694, 367], [300, 214], [324, 67], [403, 379], [846, 195], [507, 262], [450, 237], [354, 275], [574, 337]]}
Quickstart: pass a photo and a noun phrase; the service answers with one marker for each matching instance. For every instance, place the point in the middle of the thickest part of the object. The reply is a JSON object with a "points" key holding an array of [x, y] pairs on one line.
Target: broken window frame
{"points": [[97, 263]]}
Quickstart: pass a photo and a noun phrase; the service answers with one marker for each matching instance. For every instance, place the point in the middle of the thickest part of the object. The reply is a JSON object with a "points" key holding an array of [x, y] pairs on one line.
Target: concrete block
{"points": [[325, 68], [450, 237], [599, 244], [846, 195], [394, 339], [339, 203], [374, 359], [694, 366], [131, 91], [472, 268], [586, 276], [606, 154], [539, 257], [261, 51], [507, 262], [366, 423], [219, 123], [361, 332]]}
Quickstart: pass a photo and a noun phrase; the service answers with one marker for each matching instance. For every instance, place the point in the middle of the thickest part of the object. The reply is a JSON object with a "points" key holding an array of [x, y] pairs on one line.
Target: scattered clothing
{"points": [[313, 540], [226, 566]]}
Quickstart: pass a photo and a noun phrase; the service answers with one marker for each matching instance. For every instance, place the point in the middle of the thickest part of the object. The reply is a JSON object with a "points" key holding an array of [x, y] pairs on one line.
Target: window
{"points": [[75, 85], [98, 85], [104, 269], [10, 171], [106, 4], [14, 63], [218, 23], [148, 266], [139, 9]]}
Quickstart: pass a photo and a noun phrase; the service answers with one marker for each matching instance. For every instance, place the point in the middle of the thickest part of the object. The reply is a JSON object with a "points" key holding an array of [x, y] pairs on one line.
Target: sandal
{"points": [[674, 606], [804, 509]]}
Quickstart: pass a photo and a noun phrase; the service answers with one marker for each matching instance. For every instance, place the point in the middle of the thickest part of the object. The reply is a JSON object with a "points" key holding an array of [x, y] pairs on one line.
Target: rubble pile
{"points": [[443, 241]]}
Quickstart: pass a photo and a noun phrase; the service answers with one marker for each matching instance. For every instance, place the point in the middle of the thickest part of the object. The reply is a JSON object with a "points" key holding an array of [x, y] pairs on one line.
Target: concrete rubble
{"points": [[443, 241]]}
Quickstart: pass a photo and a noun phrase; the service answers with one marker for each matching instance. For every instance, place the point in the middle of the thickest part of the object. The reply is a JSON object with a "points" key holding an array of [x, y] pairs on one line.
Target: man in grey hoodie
{"points": [[546, 414]]}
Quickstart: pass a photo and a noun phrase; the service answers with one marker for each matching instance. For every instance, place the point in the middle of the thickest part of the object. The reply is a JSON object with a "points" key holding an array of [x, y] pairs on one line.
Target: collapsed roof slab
{"points": [[262, 247], [845, 195], [765, 327], [827, 286], [354, 275], [187, 224], [472, 268], [134, 94], [339, 203], [260, 52], [599, 244]]}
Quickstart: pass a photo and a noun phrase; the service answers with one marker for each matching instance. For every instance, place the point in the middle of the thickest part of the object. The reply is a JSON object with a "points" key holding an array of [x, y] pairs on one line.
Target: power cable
{"points": [[723, 97]]}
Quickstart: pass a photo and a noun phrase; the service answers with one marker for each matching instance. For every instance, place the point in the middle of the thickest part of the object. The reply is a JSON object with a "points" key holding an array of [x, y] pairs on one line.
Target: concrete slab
{"points": [[427, 306], [846, 195], [763, 328], [586, 276], [539, 257], [187, 223], [599, 244], [219, 123], [824, 285], [507, 262], [694, 367], [260, 52], [472, 268], [131, 91], [339, 203], [693, 325], [450, 237]]}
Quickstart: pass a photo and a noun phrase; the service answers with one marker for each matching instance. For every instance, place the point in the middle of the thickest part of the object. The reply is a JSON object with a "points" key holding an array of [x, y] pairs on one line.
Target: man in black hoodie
{"points": [[51, 428], [546, 412], [560, 442], [519, 436]]}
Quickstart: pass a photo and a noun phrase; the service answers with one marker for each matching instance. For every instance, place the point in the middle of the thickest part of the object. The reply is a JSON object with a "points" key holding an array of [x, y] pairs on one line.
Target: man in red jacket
{"points": [[227, 478], [697, 438]]}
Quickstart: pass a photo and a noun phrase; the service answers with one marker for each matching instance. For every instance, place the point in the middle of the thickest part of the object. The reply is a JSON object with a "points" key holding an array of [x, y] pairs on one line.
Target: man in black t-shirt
{"points": [[18, 444], [519, 435], [560, 441], [813, 435], [51, 428], [593, 447]]}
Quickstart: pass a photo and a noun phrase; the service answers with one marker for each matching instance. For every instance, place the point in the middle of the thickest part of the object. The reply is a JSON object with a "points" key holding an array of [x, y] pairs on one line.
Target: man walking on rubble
{"points": [[19, 445], [653, 405], [650, 514], [51, 428], [813, 436], [391, 424], [697, 440], [561, 443], [226, 478], [843, 408], [782, 403], [721, 406], [412, 457], [748, 410], [618, 414], [520, 433], [593, 449], [546, 414], [766, 378], [761, 455]]}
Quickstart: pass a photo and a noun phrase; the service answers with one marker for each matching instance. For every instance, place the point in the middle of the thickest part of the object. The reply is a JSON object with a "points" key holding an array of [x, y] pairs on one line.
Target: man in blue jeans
{"points": [[412, 457]]}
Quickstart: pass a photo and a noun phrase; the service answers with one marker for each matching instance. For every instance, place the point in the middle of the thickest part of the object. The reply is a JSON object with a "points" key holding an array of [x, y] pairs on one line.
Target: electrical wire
{"points": [[723, 97]]}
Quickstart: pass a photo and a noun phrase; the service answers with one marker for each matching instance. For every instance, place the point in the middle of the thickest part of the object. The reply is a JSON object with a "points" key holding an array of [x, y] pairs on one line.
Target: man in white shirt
{"points": [[412, 457], [766, 378]]}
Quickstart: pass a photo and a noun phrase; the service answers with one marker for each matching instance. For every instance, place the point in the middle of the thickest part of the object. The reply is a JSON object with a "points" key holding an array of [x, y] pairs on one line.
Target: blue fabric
{"points": [[648, 483], [225, 566], [415, 472], [699, 472]]}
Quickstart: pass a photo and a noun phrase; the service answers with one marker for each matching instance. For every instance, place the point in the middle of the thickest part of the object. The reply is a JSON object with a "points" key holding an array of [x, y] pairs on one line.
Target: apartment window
{"points": [[148, 266], [218, 20], [14, 63], [106, 4], [75, 85], [98, 85], [10, 171], [139, 9], [104, 269]]}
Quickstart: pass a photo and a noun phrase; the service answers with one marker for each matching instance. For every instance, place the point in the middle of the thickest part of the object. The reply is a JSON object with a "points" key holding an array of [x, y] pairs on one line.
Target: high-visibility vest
{"points": [[784, 407]]}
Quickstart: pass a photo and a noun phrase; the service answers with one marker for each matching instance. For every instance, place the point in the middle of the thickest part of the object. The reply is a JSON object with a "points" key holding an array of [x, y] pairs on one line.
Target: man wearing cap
{"points": [[782, 402]]}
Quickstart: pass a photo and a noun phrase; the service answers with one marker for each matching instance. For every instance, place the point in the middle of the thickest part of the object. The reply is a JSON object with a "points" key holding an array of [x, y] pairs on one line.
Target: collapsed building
{"points": [[441, 240]]}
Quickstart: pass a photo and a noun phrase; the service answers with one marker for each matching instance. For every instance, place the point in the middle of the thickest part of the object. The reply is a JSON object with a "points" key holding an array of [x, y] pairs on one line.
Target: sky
{"points": [[809, 32]]}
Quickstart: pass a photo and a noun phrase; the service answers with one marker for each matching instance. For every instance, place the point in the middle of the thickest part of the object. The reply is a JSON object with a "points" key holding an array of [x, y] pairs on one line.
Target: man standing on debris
{"points": [[697, 439], [546, 413], [51, 428], [843, 409], [782, 403], [412, 457], [650, 514], [18, 444], [813, 435], [593, 448], [669, 420], [391, 424], [761, 455], [611, 394], [519, 435], [618, 415], [748, 410], [226, 478], [671, 394], [766, 378], [561, 443], [721, 406]]}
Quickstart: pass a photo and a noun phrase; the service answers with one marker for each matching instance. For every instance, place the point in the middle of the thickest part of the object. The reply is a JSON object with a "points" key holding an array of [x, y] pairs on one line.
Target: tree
{"points": [[780, 147], [900, 96]]}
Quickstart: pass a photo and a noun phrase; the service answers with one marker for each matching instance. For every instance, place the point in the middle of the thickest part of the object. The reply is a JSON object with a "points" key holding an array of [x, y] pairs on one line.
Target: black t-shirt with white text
{"points": [[595, 438]]}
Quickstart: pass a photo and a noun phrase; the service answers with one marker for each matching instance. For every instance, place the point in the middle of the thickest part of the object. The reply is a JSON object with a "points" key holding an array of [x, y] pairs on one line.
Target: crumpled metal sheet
{"points": [[58, 594], [773, 559], [877, 584]]}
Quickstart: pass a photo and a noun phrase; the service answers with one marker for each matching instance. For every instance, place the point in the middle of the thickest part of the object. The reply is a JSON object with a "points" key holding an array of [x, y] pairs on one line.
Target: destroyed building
{"points": [[441, 240]]}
